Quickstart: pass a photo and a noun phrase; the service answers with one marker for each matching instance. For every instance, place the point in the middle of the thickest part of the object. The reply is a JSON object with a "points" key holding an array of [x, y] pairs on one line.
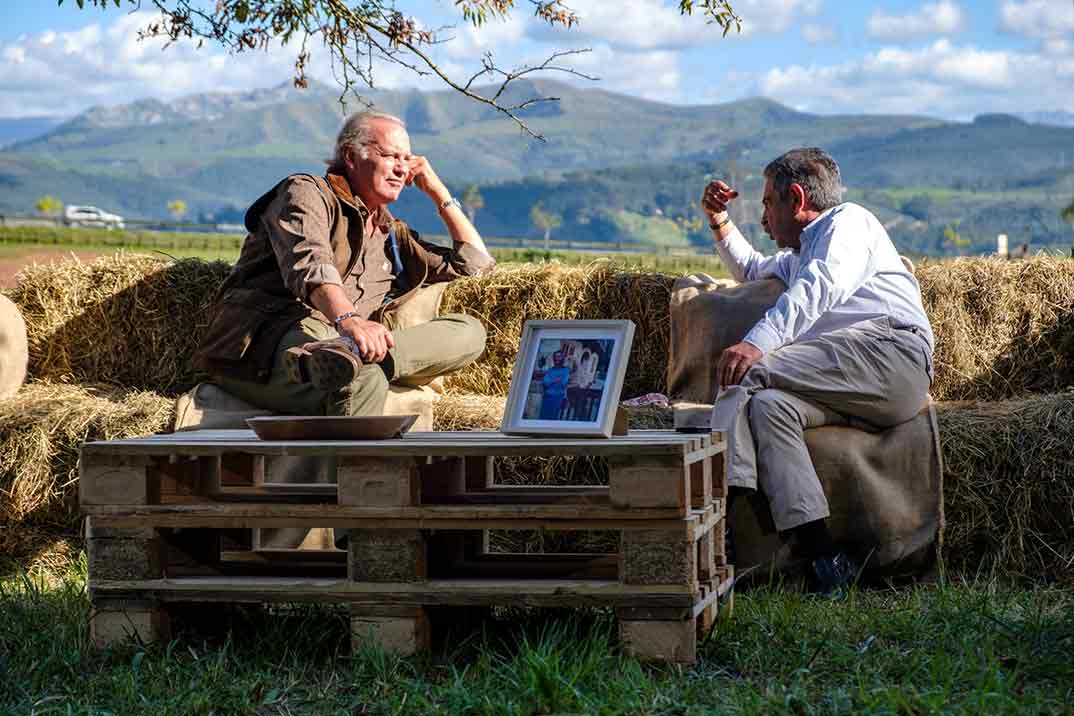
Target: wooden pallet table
{"points": [[169, 520]]}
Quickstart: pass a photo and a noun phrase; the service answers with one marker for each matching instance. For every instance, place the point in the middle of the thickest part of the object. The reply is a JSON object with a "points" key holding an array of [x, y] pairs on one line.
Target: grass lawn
{"points": [[977, 648]]}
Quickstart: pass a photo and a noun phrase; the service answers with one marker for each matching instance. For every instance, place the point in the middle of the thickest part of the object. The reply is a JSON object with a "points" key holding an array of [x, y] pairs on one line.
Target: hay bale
{"points": [[1009, 484], [41, 429], [125, 320], [13, 351], [1003, 328], [506, 299]]}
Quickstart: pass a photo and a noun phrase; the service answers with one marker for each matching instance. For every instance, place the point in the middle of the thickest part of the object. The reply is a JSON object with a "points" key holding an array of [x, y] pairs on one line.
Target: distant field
{"points": [[16, 241]]}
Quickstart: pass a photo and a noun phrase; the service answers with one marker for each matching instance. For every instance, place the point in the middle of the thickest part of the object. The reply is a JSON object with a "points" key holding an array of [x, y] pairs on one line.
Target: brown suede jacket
{"points": [[305, 232]]}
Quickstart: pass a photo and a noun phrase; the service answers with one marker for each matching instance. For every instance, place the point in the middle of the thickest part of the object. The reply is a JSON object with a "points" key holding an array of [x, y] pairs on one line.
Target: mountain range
{"points": [[219, 151]]}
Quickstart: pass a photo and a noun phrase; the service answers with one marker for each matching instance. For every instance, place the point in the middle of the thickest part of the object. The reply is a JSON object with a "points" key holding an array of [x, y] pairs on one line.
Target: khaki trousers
{"points": [[421, 353], [870, 376]]}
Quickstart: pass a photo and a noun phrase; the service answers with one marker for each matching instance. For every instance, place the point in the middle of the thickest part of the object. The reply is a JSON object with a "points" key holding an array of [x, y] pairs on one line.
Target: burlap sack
{"points": [[13, 348], [884, 489], [708, 315]]}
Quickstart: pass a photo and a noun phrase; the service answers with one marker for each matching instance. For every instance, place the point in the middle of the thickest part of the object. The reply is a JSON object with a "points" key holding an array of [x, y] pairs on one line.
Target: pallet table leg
{"points": [[389, 556], [658, 557], [706, 555], [673, 641], [649, 481], [116, 480], [402, 631], [719, 476], [701, 484], [124, 554], [378, 481], [393, 555], [113, 621]]}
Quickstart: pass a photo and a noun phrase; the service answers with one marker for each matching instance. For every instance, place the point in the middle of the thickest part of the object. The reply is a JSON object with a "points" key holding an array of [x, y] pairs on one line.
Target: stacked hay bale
{"points": [[1005, 332]]}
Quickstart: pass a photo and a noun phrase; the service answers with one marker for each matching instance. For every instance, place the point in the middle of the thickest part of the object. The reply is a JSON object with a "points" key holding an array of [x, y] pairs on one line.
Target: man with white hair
{"points": [[847, 343], [304, 324]]}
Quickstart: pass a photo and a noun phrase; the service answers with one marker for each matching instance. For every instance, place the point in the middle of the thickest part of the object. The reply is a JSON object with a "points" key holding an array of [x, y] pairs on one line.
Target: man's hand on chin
{"points": [[735, 361], [420, 173]]}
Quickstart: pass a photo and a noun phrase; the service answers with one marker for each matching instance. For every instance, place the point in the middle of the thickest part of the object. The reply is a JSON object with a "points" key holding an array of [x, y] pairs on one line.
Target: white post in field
{"points": [[1001, 246]]}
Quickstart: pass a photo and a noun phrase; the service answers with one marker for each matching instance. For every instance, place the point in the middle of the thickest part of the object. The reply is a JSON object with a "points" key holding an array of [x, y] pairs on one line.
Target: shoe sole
{"points": [[330, 369], [295, 363]]}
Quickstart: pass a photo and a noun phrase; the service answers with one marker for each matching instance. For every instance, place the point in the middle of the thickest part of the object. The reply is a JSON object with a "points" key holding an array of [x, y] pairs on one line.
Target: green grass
{"points": [[214, 246], [950, 649]]}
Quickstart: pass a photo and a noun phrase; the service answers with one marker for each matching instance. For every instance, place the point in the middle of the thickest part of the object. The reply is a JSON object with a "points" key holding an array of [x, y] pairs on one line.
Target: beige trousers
{"points": [[870, 376], [421, 353]]}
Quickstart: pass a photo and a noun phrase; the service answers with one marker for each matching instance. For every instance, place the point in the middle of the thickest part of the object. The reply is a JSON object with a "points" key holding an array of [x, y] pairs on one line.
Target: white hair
{"points": [[357, 131]]}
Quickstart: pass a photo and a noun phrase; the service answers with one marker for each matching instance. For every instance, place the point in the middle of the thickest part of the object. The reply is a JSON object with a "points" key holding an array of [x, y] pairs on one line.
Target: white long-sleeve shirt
{"points": [[847, 271]]}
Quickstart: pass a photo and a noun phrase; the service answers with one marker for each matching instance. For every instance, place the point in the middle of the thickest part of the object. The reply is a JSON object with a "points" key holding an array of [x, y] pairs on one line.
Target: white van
{"points": [[91, 216]]}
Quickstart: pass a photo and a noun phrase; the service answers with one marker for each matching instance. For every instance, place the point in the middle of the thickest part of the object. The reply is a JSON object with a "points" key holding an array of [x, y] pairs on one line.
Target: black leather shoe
{"points": [[830, 575]]}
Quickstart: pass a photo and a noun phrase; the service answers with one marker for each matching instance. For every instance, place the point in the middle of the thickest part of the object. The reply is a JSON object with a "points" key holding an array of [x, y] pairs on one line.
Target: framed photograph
{"points": [[568, 378]]}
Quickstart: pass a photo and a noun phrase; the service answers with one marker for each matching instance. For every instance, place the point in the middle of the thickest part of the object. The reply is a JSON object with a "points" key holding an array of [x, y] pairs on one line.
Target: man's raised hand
{"points": [[716, 197], [420, 173]]}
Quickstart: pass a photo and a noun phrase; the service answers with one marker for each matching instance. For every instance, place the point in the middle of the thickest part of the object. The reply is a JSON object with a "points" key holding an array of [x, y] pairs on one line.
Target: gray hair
{"points": [[811, 168], [356, 132]]}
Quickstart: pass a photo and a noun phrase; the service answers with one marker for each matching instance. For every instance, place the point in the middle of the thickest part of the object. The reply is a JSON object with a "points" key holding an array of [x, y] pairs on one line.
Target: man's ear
{"points": [[799, 199]]}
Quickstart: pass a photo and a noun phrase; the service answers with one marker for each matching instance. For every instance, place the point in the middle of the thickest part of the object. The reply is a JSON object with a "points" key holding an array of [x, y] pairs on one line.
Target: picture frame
{"points": [[568, 378]]}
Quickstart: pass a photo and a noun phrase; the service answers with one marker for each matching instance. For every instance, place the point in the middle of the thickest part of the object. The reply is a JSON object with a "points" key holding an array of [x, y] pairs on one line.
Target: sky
{"points": [[948, 58]]}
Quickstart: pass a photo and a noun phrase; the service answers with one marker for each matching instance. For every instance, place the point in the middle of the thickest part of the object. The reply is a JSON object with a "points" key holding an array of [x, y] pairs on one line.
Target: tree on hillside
{"points": [[48, 205], [1068, 214], [952, 238], [545, 220], [472, 201], [652, 231], [177, 208], [360, 37]]}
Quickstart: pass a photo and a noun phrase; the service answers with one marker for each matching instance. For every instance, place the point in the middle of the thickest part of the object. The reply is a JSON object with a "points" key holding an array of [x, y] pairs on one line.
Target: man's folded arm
{"points": [[298, 224]]}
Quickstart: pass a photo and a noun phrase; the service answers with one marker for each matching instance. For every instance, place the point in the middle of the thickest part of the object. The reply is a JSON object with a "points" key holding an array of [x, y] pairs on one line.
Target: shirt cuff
{"points": [[320, 275], [763, 338], [471, 262]]}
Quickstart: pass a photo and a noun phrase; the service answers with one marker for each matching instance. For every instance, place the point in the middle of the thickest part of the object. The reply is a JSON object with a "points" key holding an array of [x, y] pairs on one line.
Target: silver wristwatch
{"points": [[450, 202]]}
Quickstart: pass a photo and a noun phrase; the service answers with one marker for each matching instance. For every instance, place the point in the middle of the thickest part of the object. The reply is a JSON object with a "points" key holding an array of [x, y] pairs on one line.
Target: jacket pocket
{"points": [[241, 339]]}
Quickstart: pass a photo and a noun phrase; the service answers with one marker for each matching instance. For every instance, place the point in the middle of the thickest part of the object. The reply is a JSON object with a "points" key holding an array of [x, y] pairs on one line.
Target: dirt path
{"points": [[11, 265]]}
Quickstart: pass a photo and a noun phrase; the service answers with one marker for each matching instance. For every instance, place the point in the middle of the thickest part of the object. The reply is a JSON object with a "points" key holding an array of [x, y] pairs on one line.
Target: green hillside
{"points": [[613, 167]]}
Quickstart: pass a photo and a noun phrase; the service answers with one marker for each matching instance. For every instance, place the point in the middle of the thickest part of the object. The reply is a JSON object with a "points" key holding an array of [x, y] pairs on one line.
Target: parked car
{"points": [[91, 216]]}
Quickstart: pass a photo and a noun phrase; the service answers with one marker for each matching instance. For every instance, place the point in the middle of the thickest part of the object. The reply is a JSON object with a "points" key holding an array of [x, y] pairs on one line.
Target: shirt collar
{"points": [[813, 227], [342, 189]]}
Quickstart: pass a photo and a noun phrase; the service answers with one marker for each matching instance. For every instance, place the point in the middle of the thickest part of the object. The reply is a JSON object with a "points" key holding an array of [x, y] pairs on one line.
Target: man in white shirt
{"points": [[847, 343]]}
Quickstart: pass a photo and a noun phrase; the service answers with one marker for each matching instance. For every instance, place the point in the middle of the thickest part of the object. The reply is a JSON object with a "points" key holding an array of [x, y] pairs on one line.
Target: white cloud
{"points": [[940, 18], [816, 34], [1037, 18], [941, 79], [62, 73]]}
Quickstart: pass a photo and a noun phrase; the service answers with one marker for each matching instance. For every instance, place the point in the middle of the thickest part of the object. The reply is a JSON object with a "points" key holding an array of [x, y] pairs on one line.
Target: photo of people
{"points": [[568, 380]]}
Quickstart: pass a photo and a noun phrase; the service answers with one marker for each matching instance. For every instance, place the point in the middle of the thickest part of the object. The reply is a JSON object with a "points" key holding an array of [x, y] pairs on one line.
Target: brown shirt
{"points": [[296, 227], [309, 231]]}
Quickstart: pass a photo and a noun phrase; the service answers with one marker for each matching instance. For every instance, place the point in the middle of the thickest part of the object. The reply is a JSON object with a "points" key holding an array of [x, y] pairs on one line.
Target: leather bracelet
{"points": [[342, 317], [717, 225]]}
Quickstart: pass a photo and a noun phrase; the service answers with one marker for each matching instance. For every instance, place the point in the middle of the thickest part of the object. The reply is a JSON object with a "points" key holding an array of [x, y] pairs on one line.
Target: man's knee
{"points": [[471, 335], [768, 408]]}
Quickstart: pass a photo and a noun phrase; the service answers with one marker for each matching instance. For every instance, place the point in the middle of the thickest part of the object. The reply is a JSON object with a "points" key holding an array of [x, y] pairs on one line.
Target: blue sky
{"points": [[950, 58]]}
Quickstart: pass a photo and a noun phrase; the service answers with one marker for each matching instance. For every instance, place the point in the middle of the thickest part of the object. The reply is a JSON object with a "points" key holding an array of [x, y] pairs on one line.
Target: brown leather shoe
{"points": [[328, 365]]}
